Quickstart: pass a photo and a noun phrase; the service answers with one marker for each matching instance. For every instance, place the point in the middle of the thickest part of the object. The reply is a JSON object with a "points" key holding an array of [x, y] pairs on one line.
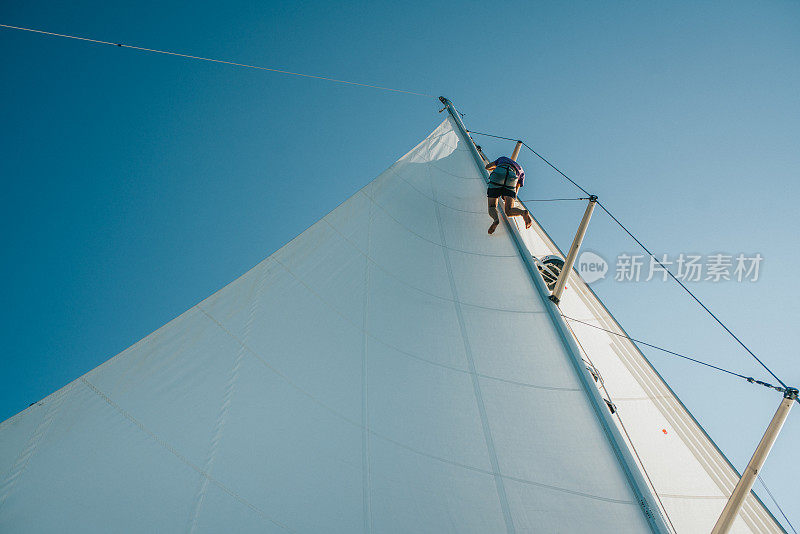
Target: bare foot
{"points": [[493, 227], [528, 220]]}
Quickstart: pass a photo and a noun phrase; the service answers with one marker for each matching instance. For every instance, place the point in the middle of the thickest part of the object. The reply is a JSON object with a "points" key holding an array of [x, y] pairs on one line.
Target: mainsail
{"points": [[391, 369]]}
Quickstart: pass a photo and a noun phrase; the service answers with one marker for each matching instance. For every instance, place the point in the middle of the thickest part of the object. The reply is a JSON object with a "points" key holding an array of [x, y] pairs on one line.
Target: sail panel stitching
{"points": [[419, 289], [366, 473], [487, 432], [409, 448], [384, 210], [177, 454], [20, 465], [410, 354], [227, 400]]}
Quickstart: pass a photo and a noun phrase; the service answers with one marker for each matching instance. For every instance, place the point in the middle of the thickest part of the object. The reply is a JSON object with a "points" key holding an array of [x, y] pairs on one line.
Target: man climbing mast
{"points": [[505, 180]]}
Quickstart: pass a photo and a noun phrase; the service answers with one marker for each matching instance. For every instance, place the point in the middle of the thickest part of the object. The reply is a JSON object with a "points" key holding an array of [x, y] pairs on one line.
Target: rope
{"points": [[555, 168], [638, 242], [712, 314], [188, 56], [537, 155], [744, 377], [490, 135], [776, 504], [552, 199], [625, 430]]}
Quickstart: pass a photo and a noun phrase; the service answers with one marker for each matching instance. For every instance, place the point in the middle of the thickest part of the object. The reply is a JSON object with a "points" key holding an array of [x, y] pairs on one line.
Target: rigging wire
{"points": [[747, 378], [537, 155], [188, 56], [383, 88], [691, 294], [744, 377], [622, 424], [638, 242], [492, 135], [336, 80], [776, 504], [555, 168], [615, 413], [552, 199]]}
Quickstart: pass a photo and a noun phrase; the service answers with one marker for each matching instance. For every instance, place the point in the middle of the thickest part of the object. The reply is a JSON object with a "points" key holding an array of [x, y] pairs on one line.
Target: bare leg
{"points": [[511, 211], [493, 214]]}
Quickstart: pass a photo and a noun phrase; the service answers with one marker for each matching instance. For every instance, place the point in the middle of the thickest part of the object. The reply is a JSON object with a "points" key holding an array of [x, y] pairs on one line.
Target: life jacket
{"points": [[504, 176]]}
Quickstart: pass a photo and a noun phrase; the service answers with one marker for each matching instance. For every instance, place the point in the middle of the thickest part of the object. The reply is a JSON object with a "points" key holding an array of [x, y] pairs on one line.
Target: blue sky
{"points": [[137, 184]]}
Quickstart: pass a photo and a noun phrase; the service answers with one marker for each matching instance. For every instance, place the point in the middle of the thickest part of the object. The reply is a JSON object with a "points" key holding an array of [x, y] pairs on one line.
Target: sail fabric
{"points": [[690, 475], [391, 369]]}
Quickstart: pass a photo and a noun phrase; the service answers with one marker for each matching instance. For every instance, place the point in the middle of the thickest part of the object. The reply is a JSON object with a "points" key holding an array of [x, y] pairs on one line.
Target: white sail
{"points": [[391, 369]]}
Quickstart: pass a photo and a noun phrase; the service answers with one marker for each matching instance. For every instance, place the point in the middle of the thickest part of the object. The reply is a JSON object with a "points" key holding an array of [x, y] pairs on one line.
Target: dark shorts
{"points": [[494, 192]]}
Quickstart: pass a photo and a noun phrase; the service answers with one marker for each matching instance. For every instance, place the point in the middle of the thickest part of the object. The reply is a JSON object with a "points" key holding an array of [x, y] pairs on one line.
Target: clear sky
{"points": [[136, 184]]}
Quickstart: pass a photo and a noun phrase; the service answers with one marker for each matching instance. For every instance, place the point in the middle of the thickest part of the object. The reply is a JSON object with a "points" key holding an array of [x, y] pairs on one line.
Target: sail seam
{"points": [[439, 141], [487, 432], [460, 177], [424, 292], [409, 448], [409, 230], [409, 354], [412, 186], [177, 454], [21, 463], [227, 400], [365, 459]]}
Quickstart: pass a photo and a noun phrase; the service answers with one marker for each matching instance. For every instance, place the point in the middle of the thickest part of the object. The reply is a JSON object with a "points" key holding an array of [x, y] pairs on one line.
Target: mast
{"points": [[745, 484], [637, 482], [569, 263]]}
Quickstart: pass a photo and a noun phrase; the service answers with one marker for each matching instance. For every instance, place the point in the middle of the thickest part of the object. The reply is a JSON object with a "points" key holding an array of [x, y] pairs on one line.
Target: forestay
{"points": [[391, 369]]}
